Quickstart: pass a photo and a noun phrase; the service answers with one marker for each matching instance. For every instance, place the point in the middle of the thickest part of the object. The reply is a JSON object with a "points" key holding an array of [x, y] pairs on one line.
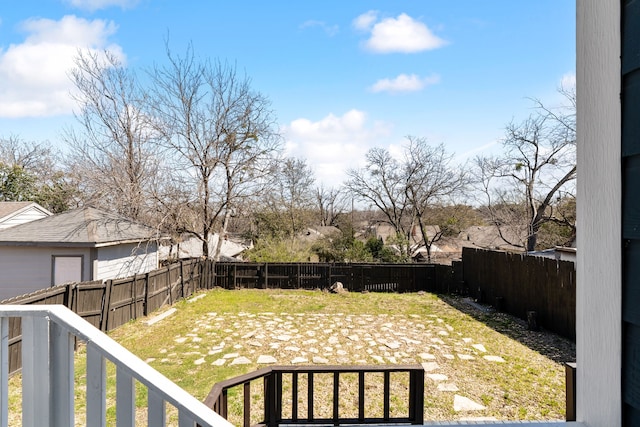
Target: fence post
{"points": [[145, 308], [212, 274], [68, 295], [182, 294], [134, 296], [203, 274], [168, 284], [104, 318]]}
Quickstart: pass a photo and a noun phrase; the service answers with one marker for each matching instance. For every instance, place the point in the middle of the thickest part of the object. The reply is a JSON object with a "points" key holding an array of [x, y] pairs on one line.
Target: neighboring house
{"points": [[559, 253], [385, 231], [80, 245], [312, 234], [190, 246], [490, 237], [16, 213]]}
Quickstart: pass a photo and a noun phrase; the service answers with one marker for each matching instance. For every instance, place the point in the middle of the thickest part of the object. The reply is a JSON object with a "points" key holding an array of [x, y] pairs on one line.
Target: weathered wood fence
{"points": [[354, 277], [518, 284]]}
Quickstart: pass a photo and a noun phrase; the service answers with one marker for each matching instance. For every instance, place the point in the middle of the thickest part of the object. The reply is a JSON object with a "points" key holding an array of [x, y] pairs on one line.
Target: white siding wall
{"points": [[28, 215], [26, 269], [599, 271], [115, 262]]}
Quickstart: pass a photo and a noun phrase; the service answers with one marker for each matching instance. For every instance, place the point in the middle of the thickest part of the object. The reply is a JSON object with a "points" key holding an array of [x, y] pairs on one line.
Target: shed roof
{"points": [[9, 209], [86, 227]]}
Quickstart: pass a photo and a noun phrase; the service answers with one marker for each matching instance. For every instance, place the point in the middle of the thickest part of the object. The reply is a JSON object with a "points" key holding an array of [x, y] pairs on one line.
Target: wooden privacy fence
{"points": [[354, 277], [518, 284]]}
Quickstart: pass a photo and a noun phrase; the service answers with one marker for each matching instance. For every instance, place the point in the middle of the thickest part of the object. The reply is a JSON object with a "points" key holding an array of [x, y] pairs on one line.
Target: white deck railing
{"points": [[48, 385]]}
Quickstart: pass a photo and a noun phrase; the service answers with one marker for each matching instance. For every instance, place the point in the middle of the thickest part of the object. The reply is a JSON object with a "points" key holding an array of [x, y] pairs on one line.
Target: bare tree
{"points": [[112, 154], [430, 180], [403, 190], [382, 184], [219, 138], [538, 163], [330, 203]]}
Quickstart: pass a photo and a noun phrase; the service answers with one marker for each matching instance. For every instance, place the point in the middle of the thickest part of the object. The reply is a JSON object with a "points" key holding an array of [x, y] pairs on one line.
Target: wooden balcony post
{"points": [[570, 377], [270, 400], [416, 396]]}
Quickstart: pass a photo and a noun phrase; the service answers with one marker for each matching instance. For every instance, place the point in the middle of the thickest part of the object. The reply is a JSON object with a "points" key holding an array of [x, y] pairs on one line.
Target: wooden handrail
{"points": [[273, 395]]}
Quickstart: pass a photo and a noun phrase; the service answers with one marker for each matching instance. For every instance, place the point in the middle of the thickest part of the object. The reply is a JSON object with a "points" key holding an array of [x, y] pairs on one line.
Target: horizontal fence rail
{"points": [[48, 386], [273, 395]]}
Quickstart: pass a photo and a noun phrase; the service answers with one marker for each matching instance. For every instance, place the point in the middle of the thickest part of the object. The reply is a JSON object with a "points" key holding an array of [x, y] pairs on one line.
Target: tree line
{"points": [[190, 148]]}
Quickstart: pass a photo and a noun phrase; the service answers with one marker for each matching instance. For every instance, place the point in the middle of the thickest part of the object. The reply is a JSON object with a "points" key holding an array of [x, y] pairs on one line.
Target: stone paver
{"points": [[461, 403], [450, 387], [297, 338], [264, 359]]}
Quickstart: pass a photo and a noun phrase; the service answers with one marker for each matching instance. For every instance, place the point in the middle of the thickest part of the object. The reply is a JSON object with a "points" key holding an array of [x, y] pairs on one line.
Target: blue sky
{"points": [[342, 76]]}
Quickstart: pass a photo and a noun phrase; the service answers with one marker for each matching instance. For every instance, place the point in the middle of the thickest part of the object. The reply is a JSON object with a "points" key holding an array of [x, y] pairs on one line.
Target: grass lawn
{"points": [[196, 347]]}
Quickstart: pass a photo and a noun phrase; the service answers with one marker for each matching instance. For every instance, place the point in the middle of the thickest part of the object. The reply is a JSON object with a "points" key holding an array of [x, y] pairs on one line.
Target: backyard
{"points": [[479, 365]]}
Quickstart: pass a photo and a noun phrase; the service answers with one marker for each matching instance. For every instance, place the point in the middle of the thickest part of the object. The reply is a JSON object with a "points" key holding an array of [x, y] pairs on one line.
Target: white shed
{"points": [[75, 246]]}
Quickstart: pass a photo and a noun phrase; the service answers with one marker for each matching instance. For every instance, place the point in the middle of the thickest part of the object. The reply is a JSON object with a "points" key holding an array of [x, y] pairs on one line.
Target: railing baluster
{"points": [[387, 395], [336, 396], [310, 395], [62, 381], [125, 399], [4, 371], [278, 376], [96, 387], [156, 414], [35, 371], [294, 396], [223, 409], [247, 404], [361, 389]]}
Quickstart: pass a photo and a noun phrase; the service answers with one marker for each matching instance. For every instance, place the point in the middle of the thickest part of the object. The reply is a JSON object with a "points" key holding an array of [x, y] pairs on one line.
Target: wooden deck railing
{"points": [[273, 395]]}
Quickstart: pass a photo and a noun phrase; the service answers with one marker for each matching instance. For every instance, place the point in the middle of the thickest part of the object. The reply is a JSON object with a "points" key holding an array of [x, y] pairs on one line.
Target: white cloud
{"points": [[568, 81], [334, 144], [93, 5], [366, 20], [331, 30], [402, 34], [34, 79], [404, 83]]}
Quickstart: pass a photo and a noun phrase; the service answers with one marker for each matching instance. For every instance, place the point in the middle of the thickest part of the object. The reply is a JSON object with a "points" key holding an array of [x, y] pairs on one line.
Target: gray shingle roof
{"points": [[88, 227]]}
